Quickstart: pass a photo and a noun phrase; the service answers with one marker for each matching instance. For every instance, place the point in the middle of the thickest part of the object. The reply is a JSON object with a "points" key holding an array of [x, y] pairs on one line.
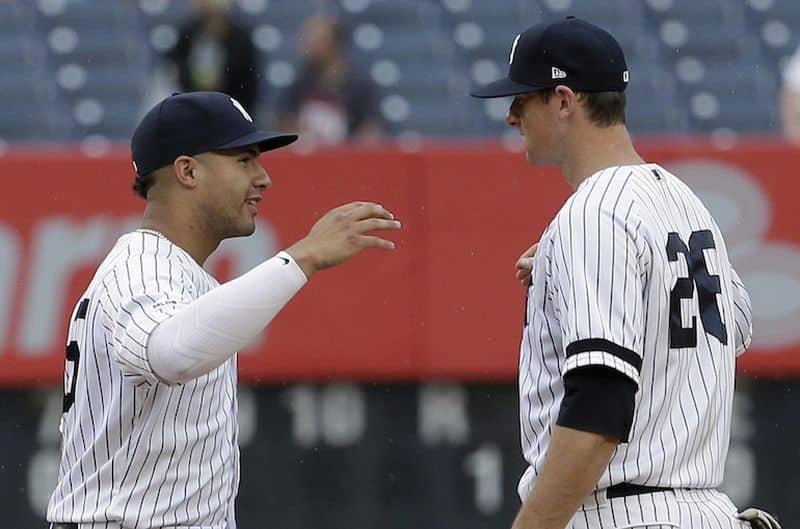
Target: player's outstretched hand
{"points": [[525, 265], [342, 233], [759, 519]]}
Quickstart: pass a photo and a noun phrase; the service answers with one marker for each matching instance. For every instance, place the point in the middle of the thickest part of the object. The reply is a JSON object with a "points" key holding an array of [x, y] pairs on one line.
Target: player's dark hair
{"points": [[605, 108], [141, 184]]}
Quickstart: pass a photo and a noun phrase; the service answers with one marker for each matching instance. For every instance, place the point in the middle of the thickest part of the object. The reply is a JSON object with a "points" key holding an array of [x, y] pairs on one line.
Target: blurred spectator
{"points": [[215, 53], [331, 101], [790, 99]]}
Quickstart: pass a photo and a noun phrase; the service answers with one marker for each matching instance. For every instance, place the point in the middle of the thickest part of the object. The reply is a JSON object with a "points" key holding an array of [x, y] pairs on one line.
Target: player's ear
{"points": [[184, 168], [567, 101]]}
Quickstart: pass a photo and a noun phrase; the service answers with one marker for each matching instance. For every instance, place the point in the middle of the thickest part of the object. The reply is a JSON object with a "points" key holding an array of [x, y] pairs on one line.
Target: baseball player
{"points": [[634, 313], [149, 433]]}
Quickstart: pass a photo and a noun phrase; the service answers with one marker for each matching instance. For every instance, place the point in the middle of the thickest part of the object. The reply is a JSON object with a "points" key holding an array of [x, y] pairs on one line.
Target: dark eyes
{"points": [[244, 156]]}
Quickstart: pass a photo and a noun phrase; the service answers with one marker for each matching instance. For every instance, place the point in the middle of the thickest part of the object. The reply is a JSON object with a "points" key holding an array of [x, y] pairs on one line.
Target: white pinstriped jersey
{"points": [[633, 274], [137, 452]]}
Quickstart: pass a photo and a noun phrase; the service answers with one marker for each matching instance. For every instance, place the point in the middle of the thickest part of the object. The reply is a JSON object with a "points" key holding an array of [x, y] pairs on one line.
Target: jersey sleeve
{"points": [[742, 314], [598, 264], [145, 289]]}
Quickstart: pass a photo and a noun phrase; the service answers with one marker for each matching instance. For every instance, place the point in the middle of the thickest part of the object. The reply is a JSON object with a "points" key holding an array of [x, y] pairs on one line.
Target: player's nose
{"points": [[511, 120], [262, 179]]}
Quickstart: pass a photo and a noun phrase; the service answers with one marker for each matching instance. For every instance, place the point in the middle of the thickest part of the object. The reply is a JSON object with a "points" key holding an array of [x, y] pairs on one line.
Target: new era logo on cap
{"points": [[557, 73]]}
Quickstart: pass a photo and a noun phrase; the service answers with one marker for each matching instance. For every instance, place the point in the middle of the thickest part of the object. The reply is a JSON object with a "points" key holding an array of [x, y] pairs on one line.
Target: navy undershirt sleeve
{"points": [[598, 399]]}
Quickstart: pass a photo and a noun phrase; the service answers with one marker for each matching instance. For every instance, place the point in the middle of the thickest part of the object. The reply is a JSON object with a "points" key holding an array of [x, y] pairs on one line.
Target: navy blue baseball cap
{"points": [[570, 52], [193, 123]]}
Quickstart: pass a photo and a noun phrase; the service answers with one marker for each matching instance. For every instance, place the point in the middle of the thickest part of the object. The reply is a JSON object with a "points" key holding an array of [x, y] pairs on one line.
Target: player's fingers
{"points": [[357, 204], [372, 224], [524, 277], [525, 263], [773, 521], [370, 241], [350, 206], [369, 210], [747, 514], [770, 520], [759, 519], [344, 208], [530, 252]]}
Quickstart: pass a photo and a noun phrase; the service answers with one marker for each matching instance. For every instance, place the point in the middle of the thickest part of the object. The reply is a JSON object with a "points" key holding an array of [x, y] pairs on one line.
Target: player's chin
{"points": [[539, 158], [245, 227], [248, 228], [248, 221], [531, 157]]}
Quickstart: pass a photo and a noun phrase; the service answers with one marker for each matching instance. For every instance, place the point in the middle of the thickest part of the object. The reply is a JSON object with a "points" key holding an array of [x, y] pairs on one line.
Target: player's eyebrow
{"points": [[517, 103]]}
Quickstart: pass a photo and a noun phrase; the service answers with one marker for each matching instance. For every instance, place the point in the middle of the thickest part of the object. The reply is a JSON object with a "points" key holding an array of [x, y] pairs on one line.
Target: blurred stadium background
{"points": [[391, 402], [77, 69]]}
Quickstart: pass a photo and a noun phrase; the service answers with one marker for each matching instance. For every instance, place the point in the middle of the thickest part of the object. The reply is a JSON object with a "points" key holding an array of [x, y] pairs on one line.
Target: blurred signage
{"points": [[428, 455], [444, 304]]}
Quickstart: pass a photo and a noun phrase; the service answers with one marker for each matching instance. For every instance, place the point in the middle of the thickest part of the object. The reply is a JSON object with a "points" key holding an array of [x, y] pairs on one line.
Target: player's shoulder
{"points": [[610, 192], [139, 247], [138, 254], [617, 182]]}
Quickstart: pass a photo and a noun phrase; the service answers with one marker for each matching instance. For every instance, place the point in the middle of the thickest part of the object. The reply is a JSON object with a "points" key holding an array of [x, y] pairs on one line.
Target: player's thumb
{"points": [[525, 263]]}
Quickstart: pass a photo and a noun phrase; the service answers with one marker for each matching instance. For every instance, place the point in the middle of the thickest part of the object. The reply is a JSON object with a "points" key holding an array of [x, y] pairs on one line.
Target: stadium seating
{"points": [[84, 68]]}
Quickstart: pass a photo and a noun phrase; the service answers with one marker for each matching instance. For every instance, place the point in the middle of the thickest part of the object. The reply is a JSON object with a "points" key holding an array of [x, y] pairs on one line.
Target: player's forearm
{"points": [[574, 464], [208, 331]]}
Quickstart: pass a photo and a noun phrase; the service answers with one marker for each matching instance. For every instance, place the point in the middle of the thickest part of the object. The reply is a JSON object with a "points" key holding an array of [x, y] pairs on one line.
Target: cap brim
{"points": [[266, 141], [503, 88]]}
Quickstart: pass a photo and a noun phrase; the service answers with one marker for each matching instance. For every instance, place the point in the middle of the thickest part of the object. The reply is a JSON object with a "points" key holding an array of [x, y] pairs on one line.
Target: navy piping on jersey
{"points": [[599, 344]]}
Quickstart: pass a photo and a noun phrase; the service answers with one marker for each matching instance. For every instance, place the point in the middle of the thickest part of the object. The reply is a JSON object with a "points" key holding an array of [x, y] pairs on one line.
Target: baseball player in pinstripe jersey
{"points": [[149, 433], [634, 314]]}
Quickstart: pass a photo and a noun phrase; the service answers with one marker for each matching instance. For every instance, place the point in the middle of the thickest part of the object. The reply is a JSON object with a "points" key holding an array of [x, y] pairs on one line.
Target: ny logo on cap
{"points": [[513, 49], [558, 73], [241, 109]]}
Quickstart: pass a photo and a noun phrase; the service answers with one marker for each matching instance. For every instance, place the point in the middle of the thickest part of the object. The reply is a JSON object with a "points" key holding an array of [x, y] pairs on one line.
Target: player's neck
{"points": [[182, 232], [593, 149]]}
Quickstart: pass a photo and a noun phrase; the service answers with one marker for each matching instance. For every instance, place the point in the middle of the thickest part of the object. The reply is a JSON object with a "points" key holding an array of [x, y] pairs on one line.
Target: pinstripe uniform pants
{"points": [[679, 508]]}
